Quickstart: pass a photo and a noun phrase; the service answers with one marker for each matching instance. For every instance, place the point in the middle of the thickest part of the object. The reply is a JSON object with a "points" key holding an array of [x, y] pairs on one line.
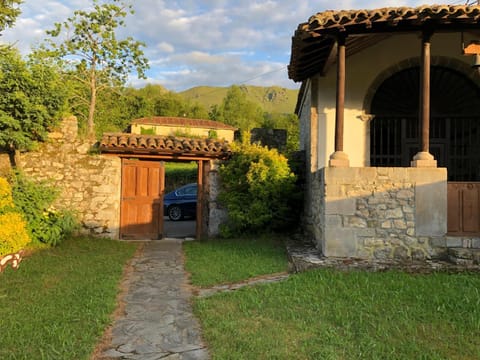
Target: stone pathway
{"points": [[266, 279], [158, 322]]}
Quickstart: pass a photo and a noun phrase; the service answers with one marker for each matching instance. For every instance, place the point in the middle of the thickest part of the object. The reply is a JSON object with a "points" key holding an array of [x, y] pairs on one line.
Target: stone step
{"points": [[464, 256]]}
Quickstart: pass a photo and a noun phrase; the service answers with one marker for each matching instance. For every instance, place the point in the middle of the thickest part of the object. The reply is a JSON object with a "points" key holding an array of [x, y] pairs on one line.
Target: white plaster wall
{"points": [[362, 69], [304, 117], [184, 130]]}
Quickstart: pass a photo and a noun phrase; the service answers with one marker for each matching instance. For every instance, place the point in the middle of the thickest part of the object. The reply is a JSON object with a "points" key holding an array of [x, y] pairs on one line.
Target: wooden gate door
{"points": [[464, 208], [141, 214]]}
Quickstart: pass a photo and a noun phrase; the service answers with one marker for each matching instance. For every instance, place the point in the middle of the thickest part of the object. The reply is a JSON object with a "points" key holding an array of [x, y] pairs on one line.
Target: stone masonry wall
{"points": [[89, 183], [380, 213], [217, 214]]}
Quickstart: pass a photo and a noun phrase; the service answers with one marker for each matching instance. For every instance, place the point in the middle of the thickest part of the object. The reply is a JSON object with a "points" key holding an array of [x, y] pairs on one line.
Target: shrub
{"points": [[6, 199], [45, 223], [258, 190], [13, 233], [178, 174]]}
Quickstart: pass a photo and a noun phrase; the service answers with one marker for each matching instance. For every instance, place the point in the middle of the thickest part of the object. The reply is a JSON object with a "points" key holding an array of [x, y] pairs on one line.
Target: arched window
{"points": [[454, 124]]}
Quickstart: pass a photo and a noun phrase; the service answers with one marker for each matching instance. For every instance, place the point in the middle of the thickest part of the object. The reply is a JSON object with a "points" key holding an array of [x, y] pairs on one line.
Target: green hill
{"points": [[271, 99]]}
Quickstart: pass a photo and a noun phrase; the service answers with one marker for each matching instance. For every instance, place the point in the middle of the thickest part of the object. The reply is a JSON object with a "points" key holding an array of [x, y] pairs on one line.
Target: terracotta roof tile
{"points": [[392, 16], [184, 122], [163, 145], [313, 43]]}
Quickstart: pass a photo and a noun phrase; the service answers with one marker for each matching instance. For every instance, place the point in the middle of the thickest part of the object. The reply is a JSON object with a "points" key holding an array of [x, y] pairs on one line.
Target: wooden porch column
{"points": [[199, 219], [339, 158], [423, 158]]}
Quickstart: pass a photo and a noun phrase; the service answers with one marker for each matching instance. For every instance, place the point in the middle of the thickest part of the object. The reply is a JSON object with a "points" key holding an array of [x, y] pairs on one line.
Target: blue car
{"points": [[181, 202]]}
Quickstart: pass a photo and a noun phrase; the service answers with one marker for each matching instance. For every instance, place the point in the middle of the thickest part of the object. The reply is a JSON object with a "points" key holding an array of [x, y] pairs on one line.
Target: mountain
{"points": [[271, 99]]}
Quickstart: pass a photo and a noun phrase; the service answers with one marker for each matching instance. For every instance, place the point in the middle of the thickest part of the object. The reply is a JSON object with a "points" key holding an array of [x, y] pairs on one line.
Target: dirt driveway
{"points": [[178, 229]]}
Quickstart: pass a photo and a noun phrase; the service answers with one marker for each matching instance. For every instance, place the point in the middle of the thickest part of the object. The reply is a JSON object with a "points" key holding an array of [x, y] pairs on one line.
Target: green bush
{"points": [[258, 190], [13, 233], [179, 173], [45, 223]]}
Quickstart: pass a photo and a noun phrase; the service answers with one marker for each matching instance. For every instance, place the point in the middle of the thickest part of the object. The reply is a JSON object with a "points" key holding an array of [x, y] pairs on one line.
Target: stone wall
{"points": [[89, 183], [217, 214], [380, 213], [272, 138]]}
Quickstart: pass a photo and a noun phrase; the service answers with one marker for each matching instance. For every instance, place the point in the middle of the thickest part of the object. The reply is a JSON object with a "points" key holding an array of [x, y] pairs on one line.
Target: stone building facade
{"points": [[379, 213], [380, 163]]}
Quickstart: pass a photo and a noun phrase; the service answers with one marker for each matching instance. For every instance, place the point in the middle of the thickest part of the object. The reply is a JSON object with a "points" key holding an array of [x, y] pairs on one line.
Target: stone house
{"points": [[389, 108], [175, 126]]}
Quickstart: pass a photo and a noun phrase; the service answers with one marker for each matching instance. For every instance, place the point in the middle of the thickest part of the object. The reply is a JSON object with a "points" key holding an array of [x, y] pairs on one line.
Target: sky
{"points": [[199, 42]]}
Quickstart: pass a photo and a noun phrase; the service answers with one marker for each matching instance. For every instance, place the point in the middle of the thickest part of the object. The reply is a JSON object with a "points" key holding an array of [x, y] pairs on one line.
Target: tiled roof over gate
{"points": [[314, 41], [163, 145]]}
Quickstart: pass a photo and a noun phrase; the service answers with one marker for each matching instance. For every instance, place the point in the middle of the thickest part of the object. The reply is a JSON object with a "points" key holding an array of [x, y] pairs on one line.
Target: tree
{"points": [[92, 52], [290, 123], [9, 11], [237, 110], [116, 109], [31, 100], [173, 104]]}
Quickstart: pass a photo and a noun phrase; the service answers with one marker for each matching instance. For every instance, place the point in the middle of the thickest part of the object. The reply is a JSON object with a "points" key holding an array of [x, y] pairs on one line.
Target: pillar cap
{"points": [[423, 159], [339, 159]]}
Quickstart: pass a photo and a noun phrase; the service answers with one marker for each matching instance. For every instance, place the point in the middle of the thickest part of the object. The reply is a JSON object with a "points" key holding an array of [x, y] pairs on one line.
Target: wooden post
{"points": [[339, 158], [340, 103], [161, 225], [425, 93], [423, 158], [199, 219]]}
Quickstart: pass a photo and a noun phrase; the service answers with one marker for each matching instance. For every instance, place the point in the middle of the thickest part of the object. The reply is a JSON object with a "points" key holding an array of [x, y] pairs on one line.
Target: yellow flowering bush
{"points": [[13, 231], [6, 200]]}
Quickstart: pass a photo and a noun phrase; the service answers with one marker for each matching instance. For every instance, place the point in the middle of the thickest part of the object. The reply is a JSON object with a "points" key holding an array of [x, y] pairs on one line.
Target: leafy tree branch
{"points": [[90, 50]]}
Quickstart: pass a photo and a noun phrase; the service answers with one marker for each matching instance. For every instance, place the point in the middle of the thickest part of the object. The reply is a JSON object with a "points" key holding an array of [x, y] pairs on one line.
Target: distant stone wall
{"points": [[272, 138], [89, 184], [380, 213]]}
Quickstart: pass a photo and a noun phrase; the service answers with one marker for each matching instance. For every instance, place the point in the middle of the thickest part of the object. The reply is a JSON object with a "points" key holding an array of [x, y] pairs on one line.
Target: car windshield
{"points": [[187, 190]]}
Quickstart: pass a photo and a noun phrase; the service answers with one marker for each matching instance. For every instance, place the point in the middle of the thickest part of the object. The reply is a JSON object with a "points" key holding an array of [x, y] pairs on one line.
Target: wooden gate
{"points": [[464, 208], [141, 213]]}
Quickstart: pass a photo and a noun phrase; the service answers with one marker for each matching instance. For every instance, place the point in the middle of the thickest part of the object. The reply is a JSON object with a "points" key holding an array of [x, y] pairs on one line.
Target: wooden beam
{"points": [[423, 158], [160, 157], [340, 103], [339, 158], [199, 220], [425, 92], [162, 194]]}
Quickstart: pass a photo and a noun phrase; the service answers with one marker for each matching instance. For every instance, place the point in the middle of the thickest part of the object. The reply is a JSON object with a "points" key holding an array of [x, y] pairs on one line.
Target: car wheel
{"points": [[175, 213]]}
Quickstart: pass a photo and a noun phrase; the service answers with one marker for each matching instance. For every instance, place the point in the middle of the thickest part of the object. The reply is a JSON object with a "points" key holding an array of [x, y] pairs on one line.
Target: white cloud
{"points": [[200, 42], [165, 47]]}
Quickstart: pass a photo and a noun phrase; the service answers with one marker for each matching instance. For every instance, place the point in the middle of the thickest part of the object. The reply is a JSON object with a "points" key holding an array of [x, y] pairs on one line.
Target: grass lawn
{"points": [[327, 314], [231, 260], [58, 303]]}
